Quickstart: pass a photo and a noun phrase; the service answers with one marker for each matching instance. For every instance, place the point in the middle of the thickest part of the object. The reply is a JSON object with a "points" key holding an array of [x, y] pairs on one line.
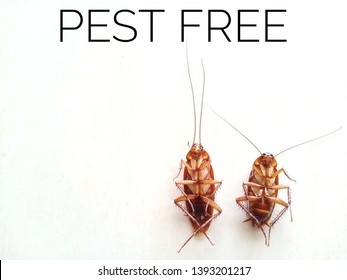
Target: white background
{"points": [[92, 134]]}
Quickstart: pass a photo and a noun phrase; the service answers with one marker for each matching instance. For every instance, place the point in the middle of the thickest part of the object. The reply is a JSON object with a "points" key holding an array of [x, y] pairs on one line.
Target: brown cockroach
{"points": [[198, 186], [261, 190]]}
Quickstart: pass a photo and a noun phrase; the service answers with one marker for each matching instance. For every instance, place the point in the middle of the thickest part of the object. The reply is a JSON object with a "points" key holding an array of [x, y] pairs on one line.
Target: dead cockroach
{"points": [[261, 190], [198, 186]]}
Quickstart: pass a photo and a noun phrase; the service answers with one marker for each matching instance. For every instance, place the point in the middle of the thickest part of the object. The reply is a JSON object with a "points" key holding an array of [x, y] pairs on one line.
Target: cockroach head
{"points": [[196, 150], [267, 159]]}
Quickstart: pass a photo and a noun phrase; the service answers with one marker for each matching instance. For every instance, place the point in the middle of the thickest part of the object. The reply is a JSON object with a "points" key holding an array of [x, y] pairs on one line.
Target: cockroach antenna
{"points": [[202, 98], [308, 141], [237, 131], [193, 95], [193, 98]]}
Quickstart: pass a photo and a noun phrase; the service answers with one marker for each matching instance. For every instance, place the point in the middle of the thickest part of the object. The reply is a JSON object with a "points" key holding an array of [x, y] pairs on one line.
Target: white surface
{"points": [[91, 134]]}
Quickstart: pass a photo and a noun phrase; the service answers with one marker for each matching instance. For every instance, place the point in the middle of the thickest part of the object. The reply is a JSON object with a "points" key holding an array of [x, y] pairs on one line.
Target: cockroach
{"points": [[198, 186], [261, 191]]}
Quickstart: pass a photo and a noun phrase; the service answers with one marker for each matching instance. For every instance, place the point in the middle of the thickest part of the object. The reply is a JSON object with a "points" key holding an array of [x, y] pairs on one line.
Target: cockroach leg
{"points": [[250, 184], [244, 186], [201, 228], [286, 206], [179, 172], [207, 200], [285, 173], [212, 182], [252, 218], [185, 243], [181, 166], [186, 197], [180, 185], [205, 164]]}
